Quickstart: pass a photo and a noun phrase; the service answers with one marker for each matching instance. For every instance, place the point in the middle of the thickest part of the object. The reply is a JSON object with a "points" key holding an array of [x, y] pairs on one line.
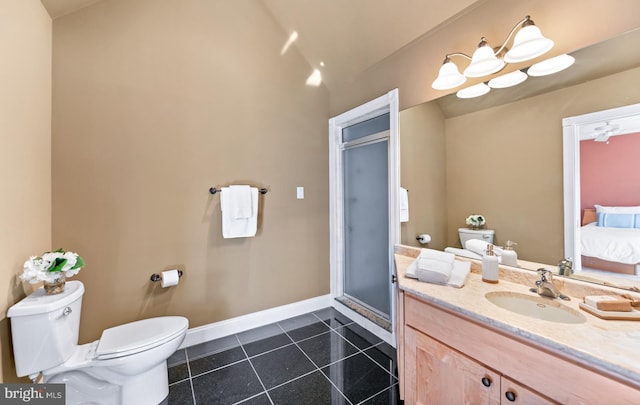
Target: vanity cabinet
{"points": [[445, 376], [513, 393], [449, 358]]}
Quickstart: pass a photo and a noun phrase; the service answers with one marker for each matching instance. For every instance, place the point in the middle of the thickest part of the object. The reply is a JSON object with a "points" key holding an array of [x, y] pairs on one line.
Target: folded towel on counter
{"points": [[434, 273], [240, 201], [428, 268], [459, 274], [437, 255], [233, 227], [435, 266], [404, 205]]}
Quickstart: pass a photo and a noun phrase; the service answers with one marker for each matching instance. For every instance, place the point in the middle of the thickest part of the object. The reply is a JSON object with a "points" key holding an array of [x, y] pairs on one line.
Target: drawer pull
{"points": [[511, 396], [486, 381]]}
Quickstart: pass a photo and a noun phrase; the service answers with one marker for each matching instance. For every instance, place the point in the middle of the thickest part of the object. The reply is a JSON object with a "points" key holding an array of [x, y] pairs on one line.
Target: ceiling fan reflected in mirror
{"points": [[605, 131]]}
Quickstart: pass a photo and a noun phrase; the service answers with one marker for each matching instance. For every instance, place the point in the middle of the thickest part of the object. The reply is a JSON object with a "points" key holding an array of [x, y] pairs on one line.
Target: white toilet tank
{"points": [[44, 328], [482, 234]]}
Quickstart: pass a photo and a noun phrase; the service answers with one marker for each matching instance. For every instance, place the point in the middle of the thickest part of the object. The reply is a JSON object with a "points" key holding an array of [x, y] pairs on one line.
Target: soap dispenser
{"points": [[490, 266], [509, 256]]}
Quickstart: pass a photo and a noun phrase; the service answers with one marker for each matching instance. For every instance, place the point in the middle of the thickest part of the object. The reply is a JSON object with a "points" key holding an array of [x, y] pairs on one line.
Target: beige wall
{"points": [[572, 24], [506, 163], [422, 148], [154, 102], [25, 154]]}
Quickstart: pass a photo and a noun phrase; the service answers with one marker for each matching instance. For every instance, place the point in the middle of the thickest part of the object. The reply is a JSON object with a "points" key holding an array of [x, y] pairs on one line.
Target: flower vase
{"points": [[56, 286]]}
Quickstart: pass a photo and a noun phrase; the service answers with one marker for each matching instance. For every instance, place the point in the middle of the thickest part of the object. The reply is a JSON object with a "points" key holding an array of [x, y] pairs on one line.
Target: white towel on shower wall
{"points": [[233, 227], [404, 205]]}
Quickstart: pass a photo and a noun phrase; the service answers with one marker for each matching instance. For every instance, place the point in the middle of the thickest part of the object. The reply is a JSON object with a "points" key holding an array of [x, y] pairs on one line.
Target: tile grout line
{"points": [[342, 337], [393, 381], [193, 391], [377, 393], [269, 351], [368, 348], [312, 362], [219, 368], [254, 371], [378, 364]]}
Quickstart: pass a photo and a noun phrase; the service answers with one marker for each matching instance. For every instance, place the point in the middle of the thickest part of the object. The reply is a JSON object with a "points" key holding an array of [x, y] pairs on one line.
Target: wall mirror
{"points": [[601, 191], [501, 155]]}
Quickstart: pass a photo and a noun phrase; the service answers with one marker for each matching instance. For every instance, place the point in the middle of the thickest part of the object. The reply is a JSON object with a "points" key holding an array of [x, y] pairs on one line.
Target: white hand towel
{"points": [[477, 246], [404, 205], [434, 266], [437, 255], [459, 274], [238, 227], [241, 201], [436, 272], [463, 253], [457, 278]]}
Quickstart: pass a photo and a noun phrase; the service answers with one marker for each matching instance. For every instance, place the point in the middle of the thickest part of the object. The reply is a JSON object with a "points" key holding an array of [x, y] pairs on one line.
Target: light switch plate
{"points": [[300, 193]]}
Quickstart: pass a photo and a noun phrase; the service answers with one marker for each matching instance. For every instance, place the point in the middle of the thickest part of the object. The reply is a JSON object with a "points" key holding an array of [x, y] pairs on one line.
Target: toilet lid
{"points": [[139, 336]]}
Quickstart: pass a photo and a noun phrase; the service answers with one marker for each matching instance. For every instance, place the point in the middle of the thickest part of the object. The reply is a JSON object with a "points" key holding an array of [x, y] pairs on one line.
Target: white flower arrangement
{"points": [[51, 265], [475, 220]]}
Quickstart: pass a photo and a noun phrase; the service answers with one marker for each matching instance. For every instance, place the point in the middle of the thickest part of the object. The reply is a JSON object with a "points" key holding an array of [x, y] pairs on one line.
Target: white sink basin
{"points": [[533, 306]]}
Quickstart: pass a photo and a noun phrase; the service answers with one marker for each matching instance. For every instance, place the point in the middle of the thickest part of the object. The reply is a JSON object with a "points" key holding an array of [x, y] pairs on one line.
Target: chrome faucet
{"points": [[545, 286], [565, 267]]}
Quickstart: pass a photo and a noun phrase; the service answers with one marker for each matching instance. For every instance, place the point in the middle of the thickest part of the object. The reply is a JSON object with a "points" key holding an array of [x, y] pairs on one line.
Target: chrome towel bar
{"points": [[214, 190]]}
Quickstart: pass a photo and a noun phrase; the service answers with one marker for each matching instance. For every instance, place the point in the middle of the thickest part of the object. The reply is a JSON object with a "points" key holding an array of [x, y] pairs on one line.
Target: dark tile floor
{"points": [[316, 358]]}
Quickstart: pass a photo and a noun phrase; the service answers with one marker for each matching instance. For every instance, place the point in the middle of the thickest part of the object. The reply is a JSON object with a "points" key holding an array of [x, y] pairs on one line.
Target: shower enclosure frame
{"points": [[386, 104]]}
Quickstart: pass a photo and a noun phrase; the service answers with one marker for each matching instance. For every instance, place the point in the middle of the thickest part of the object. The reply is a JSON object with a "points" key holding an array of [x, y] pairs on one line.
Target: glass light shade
{"points": [[476, 90], [483, 62], [449, 77], [508, 80], [528, 44], [551, 66]]}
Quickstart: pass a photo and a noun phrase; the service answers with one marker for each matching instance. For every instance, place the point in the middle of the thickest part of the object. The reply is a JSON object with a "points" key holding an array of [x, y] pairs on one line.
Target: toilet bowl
{"points": [[127, 365], [482, 234]]}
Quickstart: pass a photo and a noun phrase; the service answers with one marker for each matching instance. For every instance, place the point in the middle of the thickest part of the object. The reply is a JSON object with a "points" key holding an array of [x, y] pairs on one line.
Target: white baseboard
{"points": [[242, 323]]}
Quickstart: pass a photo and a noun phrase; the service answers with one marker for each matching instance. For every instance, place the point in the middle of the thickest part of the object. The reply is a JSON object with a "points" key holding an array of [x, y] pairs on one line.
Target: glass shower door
{"points": [[366, 216]]}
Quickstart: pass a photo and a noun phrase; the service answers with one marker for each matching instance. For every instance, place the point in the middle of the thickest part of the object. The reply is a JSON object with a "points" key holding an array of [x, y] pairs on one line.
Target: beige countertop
{"points": [[612, 347]]}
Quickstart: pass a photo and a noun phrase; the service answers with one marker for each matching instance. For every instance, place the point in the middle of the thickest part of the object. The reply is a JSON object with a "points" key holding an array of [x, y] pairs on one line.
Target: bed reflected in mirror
{"points": [[602, 194]]}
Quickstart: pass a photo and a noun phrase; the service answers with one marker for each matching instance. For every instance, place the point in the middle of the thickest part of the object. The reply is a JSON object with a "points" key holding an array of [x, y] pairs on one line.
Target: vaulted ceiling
{"points": [[341, 38]]}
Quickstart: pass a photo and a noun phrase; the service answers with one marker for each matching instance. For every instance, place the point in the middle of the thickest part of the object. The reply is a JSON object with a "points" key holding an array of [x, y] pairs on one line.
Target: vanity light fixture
{"points": [[544, 68], [476, 90], [551, 65], [529, 43], [508, 80]]}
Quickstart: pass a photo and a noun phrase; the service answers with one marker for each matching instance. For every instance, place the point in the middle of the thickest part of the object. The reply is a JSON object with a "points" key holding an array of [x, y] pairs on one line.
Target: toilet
{"points": [[127, 365], [482, 234]]}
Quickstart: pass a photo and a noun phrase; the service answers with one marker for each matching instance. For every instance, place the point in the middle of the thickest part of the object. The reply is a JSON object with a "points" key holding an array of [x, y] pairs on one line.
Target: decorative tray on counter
{"points": [[633, 315]]}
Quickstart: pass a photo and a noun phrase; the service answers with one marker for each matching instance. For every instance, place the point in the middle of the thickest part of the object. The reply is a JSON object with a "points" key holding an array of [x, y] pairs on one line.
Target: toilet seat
{"points": [[138, 336]]}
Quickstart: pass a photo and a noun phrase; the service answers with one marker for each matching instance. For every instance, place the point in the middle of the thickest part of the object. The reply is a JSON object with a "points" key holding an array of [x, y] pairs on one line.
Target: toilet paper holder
{"points": [[157, 277]]}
